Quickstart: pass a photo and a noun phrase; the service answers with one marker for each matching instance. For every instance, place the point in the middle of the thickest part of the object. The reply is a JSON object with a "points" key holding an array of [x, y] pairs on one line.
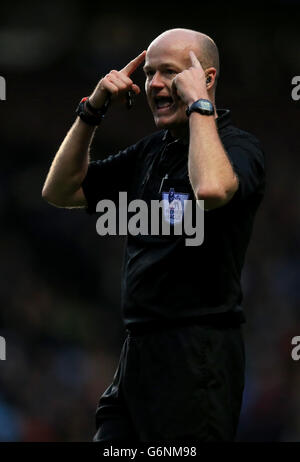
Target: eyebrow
{"points": [[162, 65]]}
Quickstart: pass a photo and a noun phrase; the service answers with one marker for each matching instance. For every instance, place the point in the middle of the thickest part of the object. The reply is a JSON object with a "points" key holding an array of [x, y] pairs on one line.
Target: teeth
{"points": [[163, 102]]}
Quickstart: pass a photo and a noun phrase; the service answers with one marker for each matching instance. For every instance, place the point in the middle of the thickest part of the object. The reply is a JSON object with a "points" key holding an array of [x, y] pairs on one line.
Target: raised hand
{"points": [[190, 84], [117, 83]]}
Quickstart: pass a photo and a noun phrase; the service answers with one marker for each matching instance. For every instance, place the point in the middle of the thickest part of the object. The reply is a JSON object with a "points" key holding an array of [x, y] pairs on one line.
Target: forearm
{"points": [[211, 174], [70, 164]]}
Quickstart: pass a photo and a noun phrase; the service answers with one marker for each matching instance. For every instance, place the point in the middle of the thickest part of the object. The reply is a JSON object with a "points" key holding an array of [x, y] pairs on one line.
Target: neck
{"points": [[181, 132]]}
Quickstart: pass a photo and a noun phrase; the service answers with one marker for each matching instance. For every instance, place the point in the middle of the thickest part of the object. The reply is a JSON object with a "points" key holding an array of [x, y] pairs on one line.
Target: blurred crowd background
{"points": [[60, 282]]}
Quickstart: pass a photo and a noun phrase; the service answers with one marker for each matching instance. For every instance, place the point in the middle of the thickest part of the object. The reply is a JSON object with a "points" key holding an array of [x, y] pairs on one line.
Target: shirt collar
{"points": [[223, 118], [222, 121]]}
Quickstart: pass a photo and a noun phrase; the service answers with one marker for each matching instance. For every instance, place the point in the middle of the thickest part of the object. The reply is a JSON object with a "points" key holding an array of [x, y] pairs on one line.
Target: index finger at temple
{"points": [[194, 60], [134, 64]]}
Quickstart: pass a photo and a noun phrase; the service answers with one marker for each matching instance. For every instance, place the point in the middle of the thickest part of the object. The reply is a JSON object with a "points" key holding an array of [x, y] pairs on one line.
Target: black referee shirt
{"points": [[163, 279]]}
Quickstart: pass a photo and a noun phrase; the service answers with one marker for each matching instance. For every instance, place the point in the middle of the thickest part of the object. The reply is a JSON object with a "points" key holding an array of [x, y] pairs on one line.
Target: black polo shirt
{"points": [[163, 279]]}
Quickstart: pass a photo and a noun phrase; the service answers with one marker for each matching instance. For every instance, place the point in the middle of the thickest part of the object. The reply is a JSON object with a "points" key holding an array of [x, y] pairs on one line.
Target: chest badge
{"points": [[174, 205]]}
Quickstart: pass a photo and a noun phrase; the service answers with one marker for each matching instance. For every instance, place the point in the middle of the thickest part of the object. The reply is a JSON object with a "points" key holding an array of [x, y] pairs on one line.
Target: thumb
{"points": [[136, 89]]}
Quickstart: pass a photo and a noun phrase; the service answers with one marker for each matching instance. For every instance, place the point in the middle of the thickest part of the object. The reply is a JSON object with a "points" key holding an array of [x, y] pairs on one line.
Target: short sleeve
{"points": [[105, 178], [248, 161]]}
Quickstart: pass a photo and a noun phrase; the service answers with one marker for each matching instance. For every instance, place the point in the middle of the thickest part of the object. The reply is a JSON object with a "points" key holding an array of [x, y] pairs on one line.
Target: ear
{"points": [[211, 74]]}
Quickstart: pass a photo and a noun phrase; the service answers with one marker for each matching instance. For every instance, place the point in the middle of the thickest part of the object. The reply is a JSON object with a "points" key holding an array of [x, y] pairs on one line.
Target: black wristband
{"points": [[97, 112], [89, 114]]}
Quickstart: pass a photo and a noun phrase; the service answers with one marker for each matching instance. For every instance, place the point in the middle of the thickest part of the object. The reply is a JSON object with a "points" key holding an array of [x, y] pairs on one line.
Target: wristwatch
{"points": [[203, 106]]}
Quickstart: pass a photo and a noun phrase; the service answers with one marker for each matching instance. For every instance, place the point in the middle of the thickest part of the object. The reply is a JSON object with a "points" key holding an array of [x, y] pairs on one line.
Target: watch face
{"points": [[205, 105]]}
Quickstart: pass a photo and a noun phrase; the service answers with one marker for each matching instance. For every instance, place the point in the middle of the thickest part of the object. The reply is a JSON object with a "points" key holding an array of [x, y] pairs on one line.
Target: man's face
{"points": [[164, 60]]}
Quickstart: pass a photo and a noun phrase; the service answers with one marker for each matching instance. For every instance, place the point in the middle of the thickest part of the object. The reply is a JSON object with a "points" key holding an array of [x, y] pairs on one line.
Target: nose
{"points": [[157, 81]]}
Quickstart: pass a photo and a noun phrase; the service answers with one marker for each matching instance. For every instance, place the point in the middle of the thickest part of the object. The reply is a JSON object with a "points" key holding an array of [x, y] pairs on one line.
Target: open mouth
{"points": [[163, 103]]}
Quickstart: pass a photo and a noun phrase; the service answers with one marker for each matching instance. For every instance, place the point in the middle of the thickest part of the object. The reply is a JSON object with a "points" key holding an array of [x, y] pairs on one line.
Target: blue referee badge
{"points": [[173, 206]]}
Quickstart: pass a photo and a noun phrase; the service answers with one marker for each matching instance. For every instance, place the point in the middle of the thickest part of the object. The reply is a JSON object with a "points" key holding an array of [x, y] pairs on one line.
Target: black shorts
{"points": [[175, 384]]}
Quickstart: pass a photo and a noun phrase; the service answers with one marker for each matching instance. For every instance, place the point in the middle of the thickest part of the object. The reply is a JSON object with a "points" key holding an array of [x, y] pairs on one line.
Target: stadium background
{"points": [[60, 282]]}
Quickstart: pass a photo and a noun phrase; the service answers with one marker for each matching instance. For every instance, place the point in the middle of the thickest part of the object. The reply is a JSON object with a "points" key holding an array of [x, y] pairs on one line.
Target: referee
{"points": [[181, 369]]}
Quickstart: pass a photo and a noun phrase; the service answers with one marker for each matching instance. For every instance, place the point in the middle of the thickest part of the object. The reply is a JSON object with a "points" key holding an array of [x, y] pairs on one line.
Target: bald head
{"points": [[186, 39]]}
